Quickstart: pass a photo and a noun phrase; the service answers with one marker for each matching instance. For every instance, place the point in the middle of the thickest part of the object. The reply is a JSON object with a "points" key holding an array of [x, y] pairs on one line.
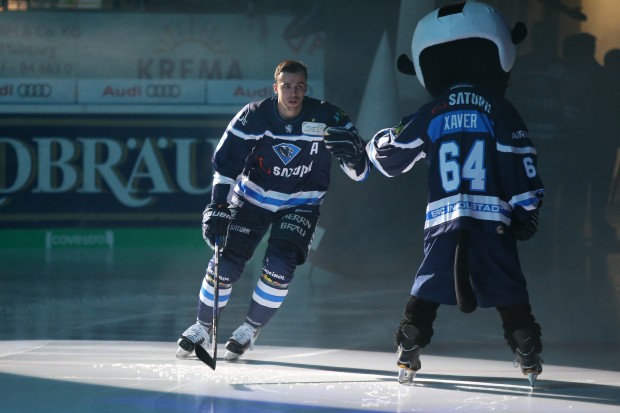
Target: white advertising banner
{"points": [[41, 91], [127, 91], [240, 92], [148, 58]]}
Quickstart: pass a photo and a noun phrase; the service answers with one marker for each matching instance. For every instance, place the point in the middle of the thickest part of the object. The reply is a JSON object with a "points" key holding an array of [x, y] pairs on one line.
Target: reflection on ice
{"points": [[116, 376]]}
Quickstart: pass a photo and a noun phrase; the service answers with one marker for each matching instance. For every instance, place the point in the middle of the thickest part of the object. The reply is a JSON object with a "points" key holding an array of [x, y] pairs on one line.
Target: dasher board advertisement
{"points": [[83, 171]]}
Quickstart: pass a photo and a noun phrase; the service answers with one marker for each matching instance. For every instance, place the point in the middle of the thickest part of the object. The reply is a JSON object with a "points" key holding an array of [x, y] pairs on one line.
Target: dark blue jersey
{"points": [[482, 163], [275, 163]]}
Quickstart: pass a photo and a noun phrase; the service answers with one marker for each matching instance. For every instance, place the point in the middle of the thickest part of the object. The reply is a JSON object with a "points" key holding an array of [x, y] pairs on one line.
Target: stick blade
{"points": [[205, 357]]}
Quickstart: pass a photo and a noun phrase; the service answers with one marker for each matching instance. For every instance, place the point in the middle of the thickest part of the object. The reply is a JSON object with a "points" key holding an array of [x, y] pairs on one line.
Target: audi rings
{"points": [[163, 91], [34, 90]]}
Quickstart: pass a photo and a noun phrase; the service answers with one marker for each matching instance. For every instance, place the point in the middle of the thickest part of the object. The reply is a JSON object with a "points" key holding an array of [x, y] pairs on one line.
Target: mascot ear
{"points": [[519, 32], [405, 65]]}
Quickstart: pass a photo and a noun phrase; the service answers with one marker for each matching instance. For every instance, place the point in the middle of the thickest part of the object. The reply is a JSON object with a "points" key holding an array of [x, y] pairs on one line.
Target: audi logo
{"points": [[34, 90], [163, 91]]}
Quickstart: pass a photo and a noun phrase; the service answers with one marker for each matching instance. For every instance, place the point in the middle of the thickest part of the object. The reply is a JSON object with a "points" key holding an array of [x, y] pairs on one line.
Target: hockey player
{"points": [[484, 189], [271, 171]]}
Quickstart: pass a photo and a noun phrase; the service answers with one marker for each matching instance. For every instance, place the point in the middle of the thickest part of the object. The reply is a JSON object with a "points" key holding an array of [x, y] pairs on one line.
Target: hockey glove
{"points": [[345, 144], [525, 229], [215, 222]]}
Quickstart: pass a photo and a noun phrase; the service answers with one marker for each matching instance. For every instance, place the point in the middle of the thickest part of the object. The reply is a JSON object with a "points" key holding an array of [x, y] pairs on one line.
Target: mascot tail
{"points": [[465, 297]]}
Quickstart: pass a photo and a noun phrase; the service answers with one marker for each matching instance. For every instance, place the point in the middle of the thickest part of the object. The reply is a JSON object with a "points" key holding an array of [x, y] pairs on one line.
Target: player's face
{"points": [[291, 89]]}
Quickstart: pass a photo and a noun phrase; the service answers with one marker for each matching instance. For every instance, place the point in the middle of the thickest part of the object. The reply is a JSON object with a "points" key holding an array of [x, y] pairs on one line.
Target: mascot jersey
{"points": [[275, 163], [482, 164]]}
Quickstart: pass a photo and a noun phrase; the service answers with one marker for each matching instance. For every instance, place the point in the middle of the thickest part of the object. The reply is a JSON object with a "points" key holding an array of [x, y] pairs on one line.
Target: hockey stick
{"points": [[465, 297], [201, 353]]}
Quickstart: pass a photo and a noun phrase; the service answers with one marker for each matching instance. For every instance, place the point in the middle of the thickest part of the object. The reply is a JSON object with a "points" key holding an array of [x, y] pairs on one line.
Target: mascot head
{"points": [[464, 42]]}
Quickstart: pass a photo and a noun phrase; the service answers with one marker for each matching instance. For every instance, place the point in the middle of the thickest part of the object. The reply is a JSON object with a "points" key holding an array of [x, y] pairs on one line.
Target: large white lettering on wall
{"points": [[56, 165], [76, 172]]}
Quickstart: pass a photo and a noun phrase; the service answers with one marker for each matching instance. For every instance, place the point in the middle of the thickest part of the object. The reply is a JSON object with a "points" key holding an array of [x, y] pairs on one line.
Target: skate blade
{"points": [[230, 356], [532, 378], [183, 354], [405, 376]]}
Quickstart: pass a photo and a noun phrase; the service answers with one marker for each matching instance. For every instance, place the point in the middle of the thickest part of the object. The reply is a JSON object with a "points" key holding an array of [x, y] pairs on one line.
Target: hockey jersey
{"points": [[276, 163], [482, 163]]}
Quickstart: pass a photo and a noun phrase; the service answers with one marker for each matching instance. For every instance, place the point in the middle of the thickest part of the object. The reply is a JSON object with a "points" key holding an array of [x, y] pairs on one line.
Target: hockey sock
{"points": [[266, 300], [205, 303]]}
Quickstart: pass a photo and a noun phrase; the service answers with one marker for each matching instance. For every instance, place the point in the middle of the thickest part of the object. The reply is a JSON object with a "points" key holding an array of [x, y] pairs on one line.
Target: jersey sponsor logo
{"points": [[473, 206], [313, 128], [520, 134], [299, 219], [222, 278], [439, 107], [239, 228], [469, 98], [270, 274], [292, 227], [286, 152], [261, 165], [299, 171]]}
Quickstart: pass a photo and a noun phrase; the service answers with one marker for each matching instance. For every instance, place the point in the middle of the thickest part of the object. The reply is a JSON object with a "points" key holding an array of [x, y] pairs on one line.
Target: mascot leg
{"points": [[413, 334]]}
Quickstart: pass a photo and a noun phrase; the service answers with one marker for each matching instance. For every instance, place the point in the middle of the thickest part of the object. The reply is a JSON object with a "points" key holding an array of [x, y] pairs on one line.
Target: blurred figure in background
{"points": [[538, 89], [590, 150], [612, 66]]}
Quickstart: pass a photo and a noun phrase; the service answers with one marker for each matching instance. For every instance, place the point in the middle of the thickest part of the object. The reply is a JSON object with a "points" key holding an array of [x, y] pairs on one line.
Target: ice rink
{"points": [[95, 330], [129, 376]]}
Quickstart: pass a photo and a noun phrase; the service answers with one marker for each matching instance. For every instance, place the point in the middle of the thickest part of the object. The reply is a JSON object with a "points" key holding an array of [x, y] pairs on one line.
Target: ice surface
{"points": [[118, 376]]}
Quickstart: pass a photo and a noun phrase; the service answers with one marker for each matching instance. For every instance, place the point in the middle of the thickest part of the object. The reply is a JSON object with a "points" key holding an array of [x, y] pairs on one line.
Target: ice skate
{"points": [[195, 335], [528, 357], [240, 341], [408, 354]]}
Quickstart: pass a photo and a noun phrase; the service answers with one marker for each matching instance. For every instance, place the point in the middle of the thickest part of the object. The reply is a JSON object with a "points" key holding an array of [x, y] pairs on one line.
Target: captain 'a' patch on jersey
{"points": [[286, 152]]}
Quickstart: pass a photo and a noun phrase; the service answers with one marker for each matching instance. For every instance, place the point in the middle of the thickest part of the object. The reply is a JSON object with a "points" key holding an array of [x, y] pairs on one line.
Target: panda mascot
{"points": [[484, 191]]}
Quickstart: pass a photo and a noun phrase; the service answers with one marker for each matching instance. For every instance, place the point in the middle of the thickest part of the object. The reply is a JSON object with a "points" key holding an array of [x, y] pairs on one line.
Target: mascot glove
{"points": [[345, 144], [525, 229]]}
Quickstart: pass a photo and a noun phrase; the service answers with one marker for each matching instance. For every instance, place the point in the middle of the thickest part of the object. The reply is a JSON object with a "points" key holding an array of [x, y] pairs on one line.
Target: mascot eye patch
{"points": [[451, 9]]}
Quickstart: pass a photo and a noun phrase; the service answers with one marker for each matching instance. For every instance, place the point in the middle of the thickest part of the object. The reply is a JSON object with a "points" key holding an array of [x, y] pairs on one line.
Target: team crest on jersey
{"points": [[286, 152]]}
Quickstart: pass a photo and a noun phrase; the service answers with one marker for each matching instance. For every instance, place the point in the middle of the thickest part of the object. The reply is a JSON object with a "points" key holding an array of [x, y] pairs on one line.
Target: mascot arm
{"points": [[394, 151]]}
